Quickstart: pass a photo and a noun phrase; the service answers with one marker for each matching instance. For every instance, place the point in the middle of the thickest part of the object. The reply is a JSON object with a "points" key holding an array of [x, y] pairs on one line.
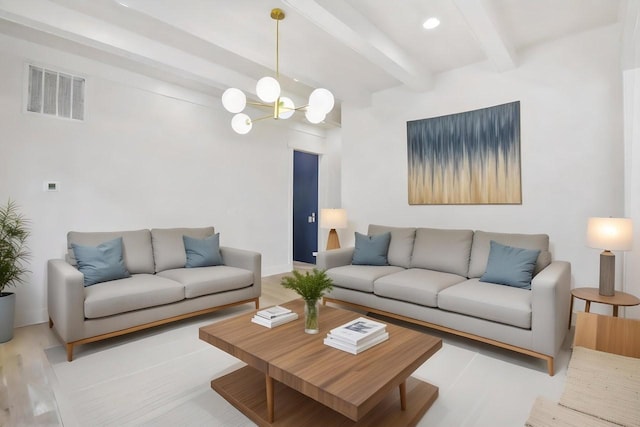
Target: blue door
{"points": [[305, 206]]}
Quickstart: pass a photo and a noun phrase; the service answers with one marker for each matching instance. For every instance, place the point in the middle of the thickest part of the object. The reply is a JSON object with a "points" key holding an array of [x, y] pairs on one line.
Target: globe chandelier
{"points": [[320, 103]]}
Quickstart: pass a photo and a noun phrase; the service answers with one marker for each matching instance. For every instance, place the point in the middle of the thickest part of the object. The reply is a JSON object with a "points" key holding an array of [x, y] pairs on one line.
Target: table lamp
{"points": [[610, 234], [332, 219]]}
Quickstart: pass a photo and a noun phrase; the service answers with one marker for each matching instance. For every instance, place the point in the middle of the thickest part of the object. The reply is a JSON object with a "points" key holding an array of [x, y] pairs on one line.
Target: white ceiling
{"points": [[352, 47]]}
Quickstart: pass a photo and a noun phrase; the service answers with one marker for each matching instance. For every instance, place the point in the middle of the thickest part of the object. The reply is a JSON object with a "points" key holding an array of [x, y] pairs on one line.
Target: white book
{"points": [[340, 345], [359, 329], [273, 312], [363, 341], [280, 320]]}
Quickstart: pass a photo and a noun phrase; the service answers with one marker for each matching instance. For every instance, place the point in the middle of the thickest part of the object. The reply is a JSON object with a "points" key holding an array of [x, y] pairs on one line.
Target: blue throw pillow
{"points": [[202, 252], [371, 250], [101, 263], [510, 266]]}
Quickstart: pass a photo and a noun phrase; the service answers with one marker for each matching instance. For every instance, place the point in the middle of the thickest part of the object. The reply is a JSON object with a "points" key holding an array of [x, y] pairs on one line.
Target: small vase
{"points": [[311, 321]]}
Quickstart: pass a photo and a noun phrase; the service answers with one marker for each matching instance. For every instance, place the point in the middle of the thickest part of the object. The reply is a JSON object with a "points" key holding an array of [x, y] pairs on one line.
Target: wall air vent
{"points": [[55, 93]]}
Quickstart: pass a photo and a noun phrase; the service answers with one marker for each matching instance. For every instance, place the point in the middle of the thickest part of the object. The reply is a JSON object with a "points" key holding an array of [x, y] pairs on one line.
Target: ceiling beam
{"points": [[86, 30], [340, 20], [495, 47]]}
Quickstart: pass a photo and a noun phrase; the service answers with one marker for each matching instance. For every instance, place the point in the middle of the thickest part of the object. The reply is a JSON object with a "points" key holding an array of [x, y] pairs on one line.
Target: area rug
{"points": [[158, 379], [604, 385], [161, 377]]}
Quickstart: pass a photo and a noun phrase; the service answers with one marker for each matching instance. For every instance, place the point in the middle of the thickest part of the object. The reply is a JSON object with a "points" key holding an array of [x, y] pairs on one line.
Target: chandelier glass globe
{"points": [[234, 100], [241, 123], [322, 100], [268, 89], [286, 108]]}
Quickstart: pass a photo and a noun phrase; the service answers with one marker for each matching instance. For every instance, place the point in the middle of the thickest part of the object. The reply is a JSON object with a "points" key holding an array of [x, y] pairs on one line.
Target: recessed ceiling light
{"points": [[431, 23]]}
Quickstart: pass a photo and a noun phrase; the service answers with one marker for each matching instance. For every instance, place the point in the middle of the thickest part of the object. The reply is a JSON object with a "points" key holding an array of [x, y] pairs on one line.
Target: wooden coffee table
{"points": [[319, 385]]}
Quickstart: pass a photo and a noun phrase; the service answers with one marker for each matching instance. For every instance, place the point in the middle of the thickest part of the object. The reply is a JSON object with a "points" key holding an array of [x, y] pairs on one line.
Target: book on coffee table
{"points": [[272, 323], [358, 330], [355, 349], [273, 312]]}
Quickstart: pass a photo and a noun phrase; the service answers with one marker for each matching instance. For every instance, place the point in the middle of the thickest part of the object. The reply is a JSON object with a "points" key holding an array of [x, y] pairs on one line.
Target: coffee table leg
{"points": [[615, 311], [269, 398], [403, 395]]}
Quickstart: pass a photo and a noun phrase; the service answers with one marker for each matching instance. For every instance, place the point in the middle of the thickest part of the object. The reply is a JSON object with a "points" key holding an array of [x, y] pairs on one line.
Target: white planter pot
{"points": [[7, 310]]}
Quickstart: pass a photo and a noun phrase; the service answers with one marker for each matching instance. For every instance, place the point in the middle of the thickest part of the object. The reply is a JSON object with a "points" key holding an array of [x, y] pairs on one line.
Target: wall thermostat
{"points": [[51, 186]]}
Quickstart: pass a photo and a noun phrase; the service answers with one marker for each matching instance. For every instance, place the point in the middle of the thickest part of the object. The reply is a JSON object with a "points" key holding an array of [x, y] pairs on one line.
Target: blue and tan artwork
{"points": [[466, 158]]}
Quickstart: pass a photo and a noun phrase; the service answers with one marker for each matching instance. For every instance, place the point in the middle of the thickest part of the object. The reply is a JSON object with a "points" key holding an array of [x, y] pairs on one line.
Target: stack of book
{"points": [[274, 316], [357, 336]]}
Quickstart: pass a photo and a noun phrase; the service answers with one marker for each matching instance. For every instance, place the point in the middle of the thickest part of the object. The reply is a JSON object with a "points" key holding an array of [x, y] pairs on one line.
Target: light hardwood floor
{"points": [[26, 395]]}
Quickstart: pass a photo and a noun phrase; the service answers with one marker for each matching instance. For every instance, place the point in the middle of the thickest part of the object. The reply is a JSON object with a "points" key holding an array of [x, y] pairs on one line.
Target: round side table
{"points": [[593, 295]]}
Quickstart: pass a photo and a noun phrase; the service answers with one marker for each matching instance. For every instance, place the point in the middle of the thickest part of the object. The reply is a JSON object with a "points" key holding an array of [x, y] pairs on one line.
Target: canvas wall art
{"points": [[466, 158]]}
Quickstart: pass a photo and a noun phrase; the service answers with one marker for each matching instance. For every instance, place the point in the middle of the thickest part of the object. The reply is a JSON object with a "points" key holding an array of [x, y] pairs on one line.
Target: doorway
{"points": [[305, 206]]}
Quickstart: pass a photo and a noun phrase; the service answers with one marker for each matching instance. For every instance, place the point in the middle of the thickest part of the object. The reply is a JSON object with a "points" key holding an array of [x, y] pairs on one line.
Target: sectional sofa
{"points": [[432, 277], [154, 287]]}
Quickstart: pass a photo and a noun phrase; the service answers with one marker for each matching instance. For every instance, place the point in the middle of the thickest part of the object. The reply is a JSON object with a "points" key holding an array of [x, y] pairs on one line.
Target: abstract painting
{"points": [[466, 158]]}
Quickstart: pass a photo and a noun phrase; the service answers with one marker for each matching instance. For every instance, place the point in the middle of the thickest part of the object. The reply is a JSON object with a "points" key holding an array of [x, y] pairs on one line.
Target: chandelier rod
{"points": [[277, 15]]}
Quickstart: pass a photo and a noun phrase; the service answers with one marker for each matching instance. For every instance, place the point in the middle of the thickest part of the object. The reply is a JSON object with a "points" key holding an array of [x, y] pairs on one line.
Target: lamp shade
{"points": [[613, 234], [333, 218]]}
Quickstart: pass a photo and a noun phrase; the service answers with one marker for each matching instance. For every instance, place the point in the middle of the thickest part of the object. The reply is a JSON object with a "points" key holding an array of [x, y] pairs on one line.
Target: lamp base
{"points": [[333, 242], [607, 274]]}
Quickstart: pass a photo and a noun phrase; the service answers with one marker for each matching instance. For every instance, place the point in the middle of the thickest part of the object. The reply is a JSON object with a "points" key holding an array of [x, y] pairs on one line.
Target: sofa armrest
{"points": [[334, 258], [65, 296], [249, 260], [550, 294]]}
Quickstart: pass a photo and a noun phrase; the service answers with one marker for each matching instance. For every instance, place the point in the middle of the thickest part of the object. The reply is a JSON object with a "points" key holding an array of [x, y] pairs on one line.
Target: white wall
{"points": [[632, 181], [139, 160], [571, 144]]}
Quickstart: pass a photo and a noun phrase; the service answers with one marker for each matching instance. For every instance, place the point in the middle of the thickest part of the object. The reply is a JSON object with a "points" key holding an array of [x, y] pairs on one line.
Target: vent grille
{"points": [[56, 94]]}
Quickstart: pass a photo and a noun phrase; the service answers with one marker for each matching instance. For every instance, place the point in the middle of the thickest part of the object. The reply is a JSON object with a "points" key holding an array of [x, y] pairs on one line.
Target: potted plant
{"points": [[310, 286], [14, 232]]}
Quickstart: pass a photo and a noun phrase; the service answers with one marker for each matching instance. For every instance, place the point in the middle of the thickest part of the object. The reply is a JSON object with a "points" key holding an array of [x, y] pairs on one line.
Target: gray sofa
{"points": [[159, 290], [433, 279]]}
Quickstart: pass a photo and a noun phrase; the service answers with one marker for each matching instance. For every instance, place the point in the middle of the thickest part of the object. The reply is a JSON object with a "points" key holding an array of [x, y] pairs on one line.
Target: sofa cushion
{"points": [[401, 244], [504, 304], [360, 277], [442, 250], [136, 247], [209, 280], [168, 246], [371, 250], [510, 266], [134, 293], [415, 285], [481, 247], [202, 252], [101, 263]]}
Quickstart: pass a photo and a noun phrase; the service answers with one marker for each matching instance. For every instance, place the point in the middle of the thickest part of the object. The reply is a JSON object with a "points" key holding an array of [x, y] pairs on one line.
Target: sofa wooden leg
{"points": [[257, 303], [50, 323], [550, 366], [69, 352]]}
